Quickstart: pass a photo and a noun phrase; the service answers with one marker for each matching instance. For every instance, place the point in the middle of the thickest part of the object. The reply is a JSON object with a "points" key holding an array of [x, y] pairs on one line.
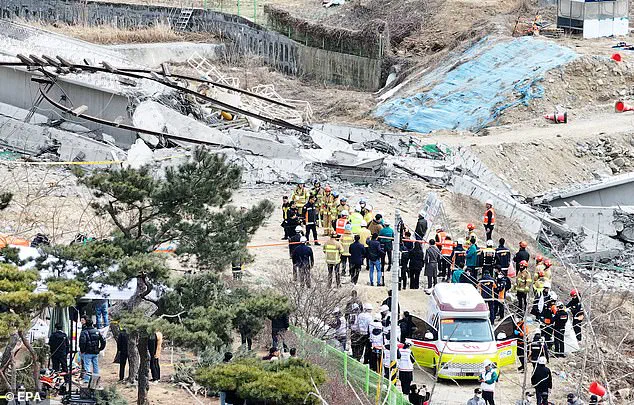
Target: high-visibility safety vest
{"points": [[524, 281], [355, 221], [300, 196], [327, 203], [340, 208], [446, 247], [405, 362], [441, 236], [340, 227], [333, 252], [486, 217], [472, 234], [347, 239]]}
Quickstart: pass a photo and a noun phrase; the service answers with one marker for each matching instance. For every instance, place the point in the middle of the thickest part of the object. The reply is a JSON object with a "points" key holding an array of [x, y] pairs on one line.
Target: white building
{"points": [[593, 19]]}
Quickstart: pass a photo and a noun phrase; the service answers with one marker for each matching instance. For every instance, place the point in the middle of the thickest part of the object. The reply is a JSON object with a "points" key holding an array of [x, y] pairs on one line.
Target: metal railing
{"points": [[350, 371]]}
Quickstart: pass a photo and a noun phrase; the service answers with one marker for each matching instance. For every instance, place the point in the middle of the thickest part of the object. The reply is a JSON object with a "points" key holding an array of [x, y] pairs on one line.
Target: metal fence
{"points": [[350, 371]]}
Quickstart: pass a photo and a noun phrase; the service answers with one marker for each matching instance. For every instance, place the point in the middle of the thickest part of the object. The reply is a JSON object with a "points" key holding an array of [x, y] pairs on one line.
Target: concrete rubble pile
{"points": [[81, 107], [616, 158]]}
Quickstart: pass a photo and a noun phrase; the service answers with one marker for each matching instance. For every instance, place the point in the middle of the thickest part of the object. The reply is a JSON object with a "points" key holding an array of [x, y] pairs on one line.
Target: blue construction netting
{"points": [[469, 94]]}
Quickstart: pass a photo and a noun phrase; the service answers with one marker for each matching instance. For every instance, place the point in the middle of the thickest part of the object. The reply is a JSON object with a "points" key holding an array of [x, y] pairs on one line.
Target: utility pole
{"points": [[396, 267]]}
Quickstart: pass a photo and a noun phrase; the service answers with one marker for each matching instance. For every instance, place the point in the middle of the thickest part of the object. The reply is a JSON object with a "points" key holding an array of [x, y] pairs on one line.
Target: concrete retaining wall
{"points": [[153, 55], [277, 50]]}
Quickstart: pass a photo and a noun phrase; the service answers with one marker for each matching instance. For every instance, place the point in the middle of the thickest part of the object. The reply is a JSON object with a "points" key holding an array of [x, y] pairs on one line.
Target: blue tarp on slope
{"points": [[489, 78]]}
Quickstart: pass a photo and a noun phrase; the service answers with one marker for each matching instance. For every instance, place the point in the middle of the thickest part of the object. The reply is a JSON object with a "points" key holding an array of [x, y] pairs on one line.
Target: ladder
{"points": [[182, 20]]}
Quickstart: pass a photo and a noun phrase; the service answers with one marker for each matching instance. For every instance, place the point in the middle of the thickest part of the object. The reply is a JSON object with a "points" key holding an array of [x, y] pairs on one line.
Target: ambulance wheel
{"points": [[435, 368]]}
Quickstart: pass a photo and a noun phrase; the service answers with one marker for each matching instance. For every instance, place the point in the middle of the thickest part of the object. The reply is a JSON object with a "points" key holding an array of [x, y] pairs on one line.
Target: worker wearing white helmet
{"points": [[421, 226], [376, 341], [293, 242], [340, 327], [355, 221], [488, 378], [341, 222], [489, 219]]}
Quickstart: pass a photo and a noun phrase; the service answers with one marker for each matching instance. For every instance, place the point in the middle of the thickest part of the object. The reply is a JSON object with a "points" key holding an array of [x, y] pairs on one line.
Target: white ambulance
{"points": [[455, 336]]}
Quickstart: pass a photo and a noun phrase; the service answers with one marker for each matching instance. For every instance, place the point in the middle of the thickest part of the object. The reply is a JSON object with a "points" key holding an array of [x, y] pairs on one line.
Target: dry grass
{"points": [[109, 35]]}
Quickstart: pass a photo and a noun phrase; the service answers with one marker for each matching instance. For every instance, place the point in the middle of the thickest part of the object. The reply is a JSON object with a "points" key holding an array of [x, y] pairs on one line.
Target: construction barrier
{"points": [[350, 371]]}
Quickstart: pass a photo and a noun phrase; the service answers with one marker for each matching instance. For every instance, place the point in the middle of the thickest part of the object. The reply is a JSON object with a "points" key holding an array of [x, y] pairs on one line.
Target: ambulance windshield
{"points": [[466, 330]]}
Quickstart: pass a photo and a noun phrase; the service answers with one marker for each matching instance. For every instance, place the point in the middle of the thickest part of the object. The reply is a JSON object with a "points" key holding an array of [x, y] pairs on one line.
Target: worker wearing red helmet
{"points": [[576, 310], [539, 268], [523, 284], [471, 233], [521, 255], [548, 272]]}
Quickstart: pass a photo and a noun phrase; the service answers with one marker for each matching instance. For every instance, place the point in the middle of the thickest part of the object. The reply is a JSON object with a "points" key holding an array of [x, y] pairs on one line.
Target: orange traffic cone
{"points": [[620, 107], [557, 117]]}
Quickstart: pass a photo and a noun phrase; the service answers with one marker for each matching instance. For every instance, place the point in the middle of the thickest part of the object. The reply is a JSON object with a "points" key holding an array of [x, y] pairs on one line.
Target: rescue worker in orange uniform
{"points": [[340, 224], [446, 261], [489, 219]]}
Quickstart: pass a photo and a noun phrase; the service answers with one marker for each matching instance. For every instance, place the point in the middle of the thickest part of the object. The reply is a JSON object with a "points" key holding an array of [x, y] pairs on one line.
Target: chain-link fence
{"points": [[349, 371]]}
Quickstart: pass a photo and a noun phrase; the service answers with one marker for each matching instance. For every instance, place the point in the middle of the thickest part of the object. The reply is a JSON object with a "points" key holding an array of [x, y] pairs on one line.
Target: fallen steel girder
{"points": [[158, 72], [124, 126], [168, 83]]}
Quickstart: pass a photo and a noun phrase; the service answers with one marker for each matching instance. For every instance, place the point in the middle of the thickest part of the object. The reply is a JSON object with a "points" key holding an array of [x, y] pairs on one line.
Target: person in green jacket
{"points": [[386, 237], [472, 262]]}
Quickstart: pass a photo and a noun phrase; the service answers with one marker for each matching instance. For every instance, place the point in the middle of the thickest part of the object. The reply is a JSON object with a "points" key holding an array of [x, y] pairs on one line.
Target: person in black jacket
{"points": [[357, 254], [521, 255], [90, 344], [542, 380], [406, 246], [502, 257], [421, 227], [311, 216], [293, 241], [304, 259], [416, 263], [58, 343], [122, 353]]}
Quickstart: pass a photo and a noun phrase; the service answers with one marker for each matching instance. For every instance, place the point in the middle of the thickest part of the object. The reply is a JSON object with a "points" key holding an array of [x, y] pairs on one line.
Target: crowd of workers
{"points": [[357, 235]]}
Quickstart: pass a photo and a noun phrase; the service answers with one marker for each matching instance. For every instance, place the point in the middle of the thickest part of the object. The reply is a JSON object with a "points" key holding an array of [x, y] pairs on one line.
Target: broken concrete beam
{"points": [[430, 170], [262, 144], [613, 191], [597, 219], [153, 116], [328, 142], [269, 171], [594, 242], [32, 140], [20, 114], [347, 133]]}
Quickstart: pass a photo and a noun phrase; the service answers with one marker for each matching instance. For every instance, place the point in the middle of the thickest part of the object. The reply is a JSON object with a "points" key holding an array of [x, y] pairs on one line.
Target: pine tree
{"points": [[188, 206], [21, 303]]}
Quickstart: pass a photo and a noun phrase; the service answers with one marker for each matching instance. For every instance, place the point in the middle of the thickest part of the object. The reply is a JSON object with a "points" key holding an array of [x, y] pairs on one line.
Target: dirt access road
{"points": [[409, 195]]}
